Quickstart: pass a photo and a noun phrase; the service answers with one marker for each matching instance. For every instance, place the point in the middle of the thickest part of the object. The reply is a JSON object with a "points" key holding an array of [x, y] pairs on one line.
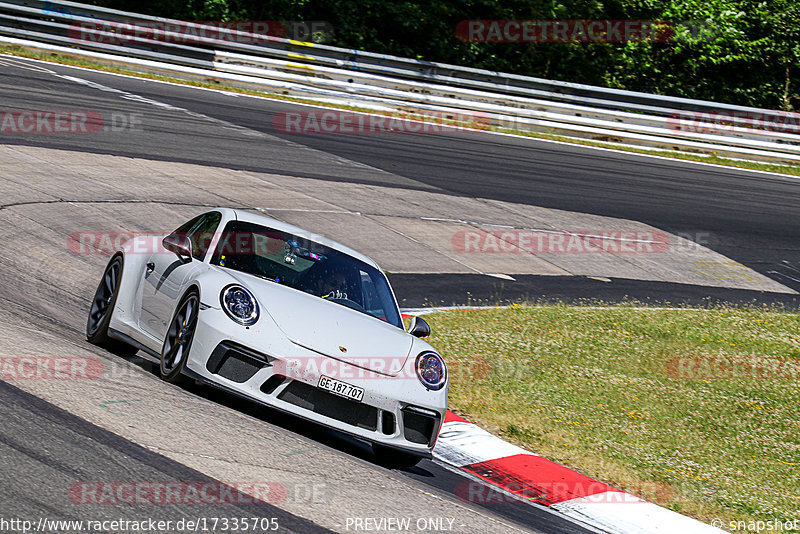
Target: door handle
{"points": [[150, 267]]}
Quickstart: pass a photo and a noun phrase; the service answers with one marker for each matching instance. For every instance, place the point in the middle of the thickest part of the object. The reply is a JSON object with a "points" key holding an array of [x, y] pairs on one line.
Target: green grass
{"points": [[631, 396], [74, 60]]}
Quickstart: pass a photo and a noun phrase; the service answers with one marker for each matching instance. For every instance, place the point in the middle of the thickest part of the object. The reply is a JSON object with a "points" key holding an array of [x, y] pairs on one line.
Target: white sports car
{"points": [[282, 316]]}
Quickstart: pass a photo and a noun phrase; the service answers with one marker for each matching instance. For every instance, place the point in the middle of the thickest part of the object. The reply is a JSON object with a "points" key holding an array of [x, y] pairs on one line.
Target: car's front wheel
{"points": [[179, 337], [105, 298]]}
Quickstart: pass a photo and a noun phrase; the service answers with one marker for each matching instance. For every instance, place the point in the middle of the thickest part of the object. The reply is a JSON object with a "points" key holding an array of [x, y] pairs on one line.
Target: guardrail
{"points": [[393, 83]]}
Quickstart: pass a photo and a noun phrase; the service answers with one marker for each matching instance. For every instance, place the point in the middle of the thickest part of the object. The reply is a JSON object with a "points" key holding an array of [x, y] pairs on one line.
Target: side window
{"points": [[200, 232], [185, 227]]}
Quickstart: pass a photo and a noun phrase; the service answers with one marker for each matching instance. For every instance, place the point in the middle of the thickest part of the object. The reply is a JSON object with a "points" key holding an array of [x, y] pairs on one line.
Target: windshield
{"points": [[306, 266]]}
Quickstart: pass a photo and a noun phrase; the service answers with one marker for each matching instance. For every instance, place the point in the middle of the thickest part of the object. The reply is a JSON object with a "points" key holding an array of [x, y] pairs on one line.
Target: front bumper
{"points": [[261, 364]]}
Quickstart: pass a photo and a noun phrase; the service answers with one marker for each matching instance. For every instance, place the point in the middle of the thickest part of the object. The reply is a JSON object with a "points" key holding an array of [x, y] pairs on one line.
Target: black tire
{"points": [[178, 341], [103, 302], [393, 458]]}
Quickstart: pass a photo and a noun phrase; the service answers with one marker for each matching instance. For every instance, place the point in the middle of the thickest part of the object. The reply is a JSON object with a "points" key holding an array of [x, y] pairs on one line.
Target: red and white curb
{"points": [[475, 451]]}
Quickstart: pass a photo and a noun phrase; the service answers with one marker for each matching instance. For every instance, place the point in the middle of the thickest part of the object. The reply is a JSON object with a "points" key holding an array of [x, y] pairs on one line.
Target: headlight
{"points": [[239, 304], [431, 370]]}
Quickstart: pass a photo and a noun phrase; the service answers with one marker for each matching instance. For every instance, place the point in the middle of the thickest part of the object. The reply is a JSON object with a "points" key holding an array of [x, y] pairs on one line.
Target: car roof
{"points": [[270, 222]]}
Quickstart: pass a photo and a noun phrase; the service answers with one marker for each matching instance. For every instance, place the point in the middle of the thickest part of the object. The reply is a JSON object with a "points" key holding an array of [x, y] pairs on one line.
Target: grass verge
{"points": [[694, 409], [713, 158]]}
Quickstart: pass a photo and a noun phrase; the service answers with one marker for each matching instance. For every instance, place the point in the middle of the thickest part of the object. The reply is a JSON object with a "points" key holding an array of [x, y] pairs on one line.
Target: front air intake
{"points": [[388, 425], [319, 401], [236, 363], [420, 425]]}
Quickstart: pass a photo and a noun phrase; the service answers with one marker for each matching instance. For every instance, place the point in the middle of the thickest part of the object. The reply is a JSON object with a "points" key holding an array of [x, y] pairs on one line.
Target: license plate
{"points": [[338, 387]]}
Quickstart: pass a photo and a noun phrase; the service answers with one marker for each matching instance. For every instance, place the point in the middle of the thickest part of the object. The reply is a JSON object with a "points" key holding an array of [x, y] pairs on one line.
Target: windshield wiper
{"points": [[263, 277]]}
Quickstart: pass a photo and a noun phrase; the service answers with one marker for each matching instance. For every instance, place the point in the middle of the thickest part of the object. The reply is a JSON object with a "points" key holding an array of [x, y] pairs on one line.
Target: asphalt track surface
{"points": [[750, 217], [419, 291], [54, 448]]}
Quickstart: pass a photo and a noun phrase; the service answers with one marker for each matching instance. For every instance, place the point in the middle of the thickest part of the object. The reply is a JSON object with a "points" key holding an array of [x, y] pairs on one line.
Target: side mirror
{"points": [[180, 245], [419, 328]]}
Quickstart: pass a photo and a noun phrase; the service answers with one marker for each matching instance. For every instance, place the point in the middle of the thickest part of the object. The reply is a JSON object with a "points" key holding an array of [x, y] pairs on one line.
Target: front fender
{"points": [[135, 255], [210, 284]]}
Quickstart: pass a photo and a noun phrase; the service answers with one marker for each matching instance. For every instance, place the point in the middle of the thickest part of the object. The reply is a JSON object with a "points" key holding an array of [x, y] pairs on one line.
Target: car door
{"points": [[166, 274]]}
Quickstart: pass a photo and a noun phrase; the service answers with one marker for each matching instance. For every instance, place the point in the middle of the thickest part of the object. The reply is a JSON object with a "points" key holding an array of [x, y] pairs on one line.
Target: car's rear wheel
{"points": [[179, 338], [393, 458], [105, 298]]}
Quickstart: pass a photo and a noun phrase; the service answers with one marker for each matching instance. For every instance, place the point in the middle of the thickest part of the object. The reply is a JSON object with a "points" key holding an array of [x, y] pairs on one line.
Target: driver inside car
{"points": [[327, 281], [332, 285]]}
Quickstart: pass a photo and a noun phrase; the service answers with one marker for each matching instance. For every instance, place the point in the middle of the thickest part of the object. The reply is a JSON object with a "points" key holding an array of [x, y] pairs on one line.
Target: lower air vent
{"points": [[237, 364], [272, 384], [330, 405], [388, 425], [419, 428]]}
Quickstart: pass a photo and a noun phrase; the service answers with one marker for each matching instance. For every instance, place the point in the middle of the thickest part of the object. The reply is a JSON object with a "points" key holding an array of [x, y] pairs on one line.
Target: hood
{"points": [[326, 327]]}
